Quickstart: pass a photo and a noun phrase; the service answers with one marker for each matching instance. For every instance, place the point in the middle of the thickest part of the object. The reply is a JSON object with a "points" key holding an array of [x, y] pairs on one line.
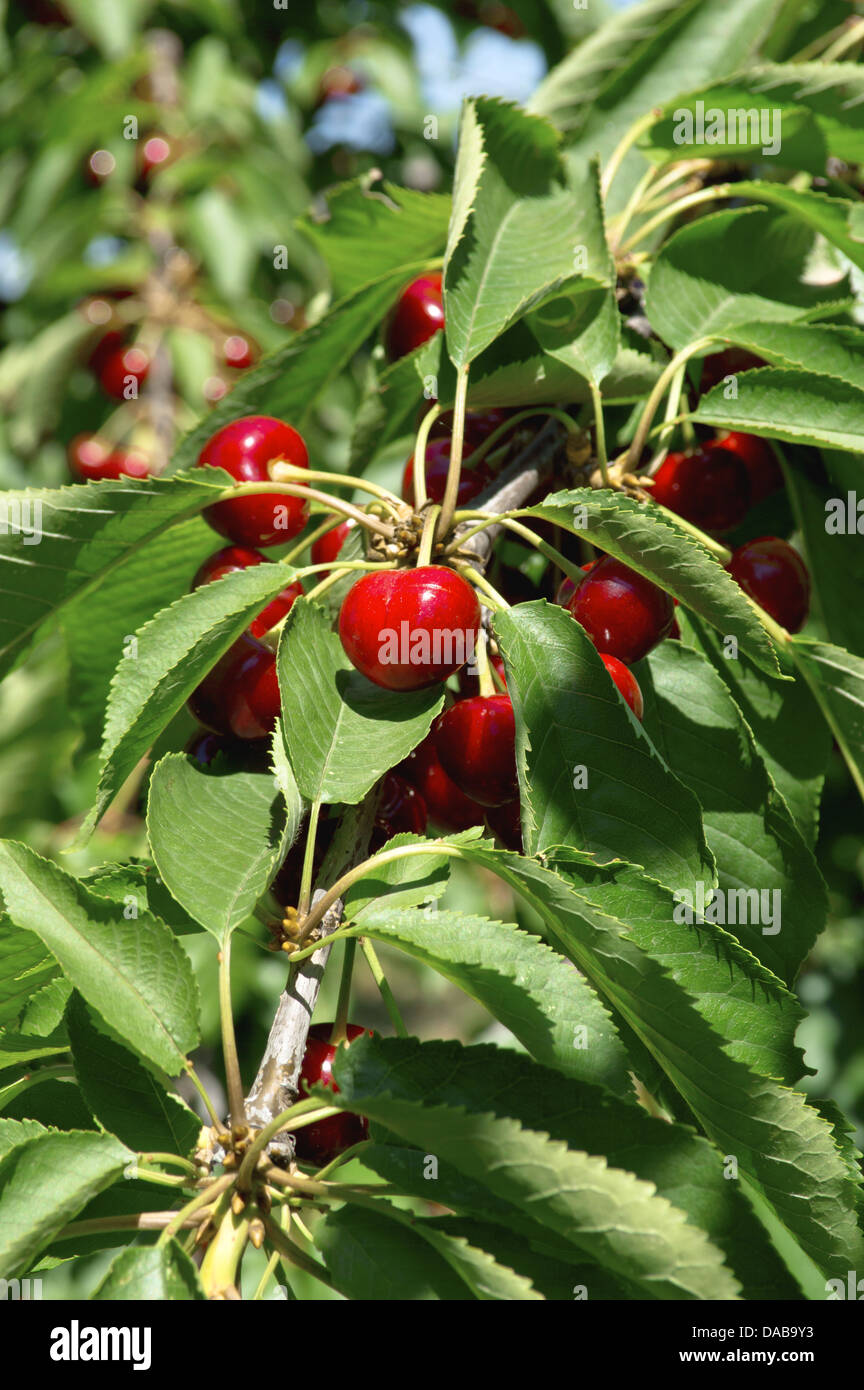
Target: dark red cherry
{"points": [[469, 683], [476, 742], [710, 488], [245, 449], [775, 577], [240, 696], [471, 480], [107, 345], [328, 546], [624, 614], [401, 810], [479, 424], [567, 588], [249, 755], [324, 1141], [239, 352], [727, 363], [237, 557], [405, 629], [153, 154], [758, 458], [419, 313], [91, 459], [445, 803], [506, 822], [123, 372], [626, 682]]}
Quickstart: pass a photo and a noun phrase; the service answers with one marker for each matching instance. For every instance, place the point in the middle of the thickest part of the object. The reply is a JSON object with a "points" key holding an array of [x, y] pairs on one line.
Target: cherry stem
{"points": [[340, 1023], [305, 1112], [663, 382], [854, 34], [202, 1091], [203, 1199], [427, 538], [496, 600], [290, 473], [484, 671], [420, 457], [704, 195], [375, 861], [567, 567], [292, 1252], [384, 989], [457, 440], [236, 1100], [507, 426], [599, 432], [340, 572], [622, 149], [311, 494], [173, 1159], [308, 541], [309, 858]]}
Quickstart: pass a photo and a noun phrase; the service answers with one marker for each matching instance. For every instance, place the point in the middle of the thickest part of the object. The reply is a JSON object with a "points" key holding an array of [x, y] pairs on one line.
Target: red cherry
{"points": [[107, 345], [328, 546], [626, 682], [758, 458], [405, 629], [244, 449], [240, 696], [238, 352], [445, 803], [253, 755], [90, 459], [153, 153], [470, 684], [419, 313], [727, 363], [324, 1141], [709, 488], [401, 810], [623, 613], [775, 577], [567, 588], [121, 369], [237, 557], [675, 631], [476, 742], [471, 480], [479, 424], [506, 822]]}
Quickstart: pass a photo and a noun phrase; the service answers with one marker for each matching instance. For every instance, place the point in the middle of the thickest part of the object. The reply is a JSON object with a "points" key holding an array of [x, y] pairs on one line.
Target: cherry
{"points": [[626, 682], [100, 165], [710, 488], [624, 614], [405, 629], [244, 449], [418, 315], [155, 152], [567, 588], [252, 755], [775, 577], [476, 742], [506, 822], [470, 685], [239, 352], [758, 458], [90, 459], [471, 480], [445, 803], [237, 557], [401, 811], [479, 424], [324, 1141], [117, 368], [729, 362], [328, 546], [240, 696]]}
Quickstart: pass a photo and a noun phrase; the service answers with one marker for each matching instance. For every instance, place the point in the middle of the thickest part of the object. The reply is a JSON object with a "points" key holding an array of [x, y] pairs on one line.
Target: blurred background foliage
{"points": [[262, 107]]}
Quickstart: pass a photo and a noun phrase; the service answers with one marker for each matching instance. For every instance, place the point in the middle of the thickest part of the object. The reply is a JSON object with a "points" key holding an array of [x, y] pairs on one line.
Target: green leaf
{"points": [[113, 28], [44, 1183], [224, 240], [540, 997], [342, 732], [830, 217], [517, 230], [372, 1258], [368, 233], [421, 1092], [401, 883], [156, 1273], [16, 1132], [16, 1049], [653, 545], [757, 848], [795, 406], [131, 972], [122, 1094], [217, 837], [588, 774], [836, 680], [25, 966], [170, 657], [828, 521], [825, 349]]}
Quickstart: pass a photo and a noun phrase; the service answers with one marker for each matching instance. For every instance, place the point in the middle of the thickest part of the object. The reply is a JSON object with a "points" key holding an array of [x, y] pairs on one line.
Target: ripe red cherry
{"points": [[479, 424], [506, 822], [237, 557], [758, 458], [626, 682], [476, 742], [124, 369], [244, 449], [445, 803], [566, 589], [775, 577], [709, 488], [470, 684], [328, 546], [471, 480], [240, 696], [90, 459], [253, 755], [155, 152], [238, 352], [727, 363], [405, 629], [401, 810], [419, 313], [324, 1141], [624, 614]]}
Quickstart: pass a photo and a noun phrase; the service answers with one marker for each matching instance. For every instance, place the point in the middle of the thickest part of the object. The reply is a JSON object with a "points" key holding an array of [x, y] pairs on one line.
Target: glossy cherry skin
{"points": [[322, 1142], [469, 684], [237, 557], [506, 822], [476, 742], [155, 152], [727, 363], [244, 449], [445, 803], [418, 315], [567, 588], [471, 480], [624, 614], [775, 577], [710, 488], [401, 811], [240, 696], [239, 352], [758, 458], [405, 629], [626, 682], [125, 369], [328, 546]]}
